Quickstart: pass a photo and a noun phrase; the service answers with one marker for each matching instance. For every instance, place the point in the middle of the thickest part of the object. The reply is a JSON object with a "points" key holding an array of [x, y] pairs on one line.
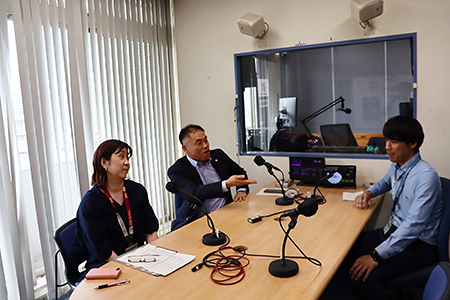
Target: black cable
{"points": [[259, 218], [312, 260], [226, 269]]}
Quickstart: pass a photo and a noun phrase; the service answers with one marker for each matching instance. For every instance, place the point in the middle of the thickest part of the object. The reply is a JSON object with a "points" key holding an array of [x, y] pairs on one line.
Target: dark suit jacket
{"points": [[185, 174]]}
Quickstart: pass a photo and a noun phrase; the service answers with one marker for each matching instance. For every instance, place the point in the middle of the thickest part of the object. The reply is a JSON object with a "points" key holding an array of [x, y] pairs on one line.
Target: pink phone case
{"points": [[103, 273]]}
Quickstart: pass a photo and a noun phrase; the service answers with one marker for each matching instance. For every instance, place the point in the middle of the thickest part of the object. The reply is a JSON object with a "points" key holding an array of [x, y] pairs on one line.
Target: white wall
{"points": [[207, 36]]}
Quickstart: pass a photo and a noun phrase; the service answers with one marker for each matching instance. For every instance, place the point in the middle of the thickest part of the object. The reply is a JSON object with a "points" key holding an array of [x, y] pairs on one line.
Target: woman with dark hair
{"points": [[115, 215]]}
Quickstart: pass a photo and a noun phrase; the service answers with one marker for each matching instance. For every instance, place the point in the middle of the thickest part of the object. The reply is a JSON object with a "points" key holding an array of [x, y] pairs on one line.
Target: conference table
{"points": [[326, 236]]}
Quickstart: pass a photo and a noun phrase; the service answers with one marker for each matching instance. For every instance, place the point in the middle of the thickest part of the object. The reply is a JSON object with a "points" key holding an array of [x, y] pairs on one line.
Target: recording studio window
{"points": [[329, 99]]}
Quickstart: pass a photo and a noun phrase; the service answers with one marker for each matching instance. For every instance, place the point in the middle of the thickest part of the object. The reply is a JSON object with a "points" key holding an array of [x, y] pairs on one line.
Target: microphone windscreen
{"points": [[259, 160], [173, 187], [348, 111], [308, 207]]}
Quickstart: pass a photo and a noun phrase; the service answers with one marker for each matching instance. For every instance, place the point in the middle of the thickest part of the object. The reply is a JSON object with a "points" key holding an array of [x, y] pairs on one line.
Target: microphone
{"points": [[331, 172], [285, 267], [174, 188], [211, 239], [346, 110], [282, 200], [261, 162], [307, 208]]}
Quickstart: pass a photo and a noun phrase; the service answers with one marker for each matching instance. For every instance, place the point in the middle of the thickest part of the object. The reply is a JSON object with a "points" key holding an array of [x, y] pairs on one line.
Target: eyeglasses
{"points": [[142, 258]]}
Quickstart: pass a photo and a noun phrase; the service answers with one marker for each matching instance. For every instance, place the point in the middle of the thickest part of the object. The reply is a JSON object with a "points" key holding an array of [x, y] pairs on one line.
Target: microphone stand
{"points": [[320, 199], [318, 112], [214, 238], [284, 267], [282, 200]]}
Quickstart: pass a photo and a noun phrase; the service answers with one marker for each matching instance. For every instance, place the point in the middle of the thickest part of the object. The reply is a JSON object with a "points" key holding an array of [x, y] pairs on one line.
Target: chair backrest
{"points": [[444, 229], [376, 145], [438, 285], [73, 255], [178, 203]]}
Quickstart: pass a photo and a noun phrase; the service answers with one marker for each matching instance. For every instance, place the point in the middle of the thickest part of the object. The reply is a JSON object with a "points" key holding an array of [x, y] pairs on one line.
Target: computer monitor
{"points": [[288, 111], [345, 176], [308, 170], [337, 135]]}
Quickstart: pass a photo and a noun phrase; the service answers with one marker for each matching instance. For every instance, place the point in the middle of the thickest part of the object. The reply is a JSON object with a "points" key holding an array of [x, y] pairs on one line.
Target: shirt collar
{"points": [[408, 163], [196, 163]]}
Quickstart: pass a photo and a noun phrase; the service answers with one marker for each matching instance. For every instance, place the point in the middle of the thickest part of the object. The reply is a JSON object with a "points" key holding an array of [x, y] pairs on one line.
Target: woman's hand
{"points": [[113, 255], [150, 237]]}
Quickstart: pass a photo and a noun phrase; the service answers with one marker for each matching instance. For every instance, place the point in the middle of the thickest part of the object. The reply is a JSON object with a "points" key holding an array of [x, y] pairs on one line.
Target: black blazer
{"points": [[185, 174]]}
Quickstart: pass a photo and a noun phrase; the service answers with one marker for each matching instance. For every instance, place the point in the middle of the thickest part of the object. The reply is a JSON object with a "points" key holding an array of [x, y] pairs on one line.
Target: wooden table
{"points": [[326, 236]]}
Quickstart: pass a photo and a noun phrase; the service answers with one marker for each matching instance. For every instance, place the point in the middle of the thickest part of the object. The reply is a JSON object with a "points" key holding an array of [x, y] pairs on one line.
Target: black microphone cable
{"points": [[312, 260], [258, 218], [226, 269]]}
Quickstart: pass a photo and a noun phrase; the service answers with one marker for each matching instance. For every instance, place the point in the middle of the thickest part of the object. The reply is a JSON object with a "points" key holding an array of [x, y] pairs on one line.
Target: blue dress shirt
{"points": [[209, 175], [418, 212]]}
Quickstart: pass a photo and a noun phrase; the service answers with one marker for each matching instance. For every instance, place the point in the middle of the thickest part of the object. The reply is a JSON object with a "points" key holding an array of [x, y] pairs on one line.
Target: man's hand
{"points": [[238, 180], [240, 196], [363, 266], [364, 200]]}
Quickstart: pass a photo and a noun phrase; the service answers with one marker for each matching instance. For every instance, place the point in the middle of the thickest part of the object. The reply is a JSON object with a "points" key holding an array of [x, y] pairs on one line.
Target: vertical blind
{"points": [[73, 74]]}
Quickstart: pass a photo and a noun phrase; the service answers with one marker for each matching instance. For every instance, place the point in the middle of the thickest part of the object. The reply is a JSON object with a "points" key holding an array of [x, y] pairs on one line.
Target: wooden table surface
{"points": [[326, 236]]}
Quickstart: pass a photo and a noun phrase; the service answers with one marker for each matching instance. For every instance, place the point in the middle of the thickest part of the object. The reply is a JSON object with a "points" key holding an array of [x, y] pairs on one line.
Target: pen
{"points": [[126, 281]]}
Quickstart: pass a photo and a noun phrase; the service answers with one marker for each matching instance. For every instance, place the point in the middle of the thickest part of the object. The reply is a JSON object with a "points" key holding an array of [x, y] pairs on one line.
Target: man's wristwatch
{"points": [[376, 257]]}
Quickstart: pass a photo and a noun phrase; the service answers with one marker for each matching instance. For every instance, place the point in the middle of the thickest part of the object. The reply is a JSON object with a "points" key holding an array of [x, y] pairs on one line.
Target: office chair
{"points": [[438, 285], [178, 203], [376, 145], [72, 254], [420, 277]]}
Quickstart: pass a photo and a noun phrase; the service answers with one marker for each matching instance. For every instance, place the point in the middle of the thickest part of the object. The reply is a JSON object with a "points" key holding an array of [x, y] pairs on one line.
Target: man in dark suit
{"points": [[206, 174]]}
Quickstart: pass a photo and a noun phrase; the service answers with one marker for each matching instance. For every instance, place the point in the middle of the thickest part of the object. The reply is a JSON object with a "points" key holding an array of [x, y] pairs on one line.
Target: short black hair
{"points": [[404, 129], [187, 130]]}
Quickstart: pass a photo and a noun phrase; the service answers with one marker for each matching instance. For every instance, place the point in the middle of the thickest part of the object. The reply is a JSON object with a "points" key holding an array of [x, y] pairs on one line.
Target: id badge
{"points": [[132, 247], [387, 226]]}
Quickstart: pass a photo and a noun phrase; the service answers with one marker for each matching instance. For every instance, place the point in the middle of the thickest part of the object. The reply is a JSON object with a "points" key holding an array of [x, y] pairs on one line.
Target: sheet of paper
{"points": [[165, 261], [350, 196]]}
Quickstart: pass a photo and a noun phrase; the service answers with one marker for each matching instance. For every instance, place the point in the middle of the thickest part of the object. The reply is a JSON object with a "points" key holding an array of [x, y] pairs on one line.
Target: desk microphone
{"points": [[174, 188], [285, 267], [262, 162], [330, 172], [307, 208], [282, 200], [211, 239]]}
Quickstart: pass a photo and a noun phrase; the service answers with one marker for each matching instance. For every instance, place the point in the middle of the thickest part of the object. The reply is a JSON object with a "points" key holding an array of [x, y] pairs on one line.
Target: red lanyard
{"points": [[128, 236]]}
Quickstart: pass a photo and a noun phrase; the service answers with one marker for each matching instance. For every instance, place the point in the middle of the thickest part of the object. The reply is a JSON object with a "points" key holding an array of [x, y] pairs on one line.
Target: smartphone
{"points": [[273, 191], [104, 273]]}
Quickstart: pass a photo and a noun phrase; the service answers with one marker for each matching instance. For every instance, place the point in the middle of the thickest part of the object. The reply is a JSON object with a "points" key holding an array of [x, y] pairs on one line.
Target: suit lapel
{"points": [[219, 166], [192, 171]]}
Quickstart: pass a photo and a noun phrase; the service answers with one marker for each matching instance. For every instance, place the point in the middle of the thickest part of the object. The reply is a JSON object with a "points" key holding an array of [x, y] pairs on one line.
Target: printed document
{"points": [[155, 260]]}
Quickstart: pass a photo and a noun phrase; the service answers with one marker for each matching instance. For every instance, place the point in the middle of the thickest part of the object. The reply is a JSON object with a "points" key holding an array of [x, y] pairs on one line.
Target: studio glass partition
{"points": [[324, 100]]}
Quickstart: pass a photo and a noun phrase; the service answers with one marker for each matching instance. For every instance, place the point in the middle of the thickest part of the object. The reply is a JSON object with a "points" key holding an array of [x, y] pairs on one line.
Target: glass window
{"points": [[288, 98]]}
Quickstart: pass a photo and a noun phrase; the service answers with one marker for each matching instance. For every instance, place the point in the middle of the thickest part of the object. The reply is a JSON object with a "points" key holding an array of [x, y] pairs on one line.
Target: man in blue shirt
{"points": [[408, 241], [206, 174]]}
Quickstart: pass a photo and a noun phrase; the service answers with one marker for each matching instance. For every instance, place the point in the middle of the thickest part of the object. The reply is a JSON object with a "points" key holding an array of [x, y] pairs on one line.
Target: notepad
{"points": [[164, 262], [350, 196]]}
